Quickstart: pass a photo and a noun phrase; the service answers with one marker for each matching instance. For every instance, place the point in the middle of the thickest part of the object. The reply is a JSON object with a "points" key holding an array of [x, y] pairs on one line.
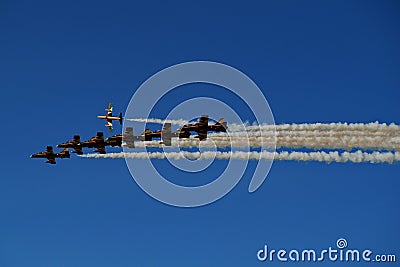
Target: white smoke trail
{"points": [[306, 133], [318, 142], [328, 157], [313, 142], [348, 136], [160, 121], [372, 126]]}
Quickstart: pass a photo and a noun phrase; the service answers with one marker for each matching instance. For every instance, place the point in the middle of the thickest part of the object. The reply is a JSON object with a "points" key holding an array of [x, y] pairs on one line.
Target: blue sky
{"points": [[316, 61]]}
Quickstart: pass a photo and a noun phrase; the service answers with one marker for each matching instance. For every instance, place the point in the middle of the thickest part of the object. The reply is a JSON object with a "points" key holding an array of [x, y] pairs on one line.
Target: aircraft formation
{"points": [[128, 139]]}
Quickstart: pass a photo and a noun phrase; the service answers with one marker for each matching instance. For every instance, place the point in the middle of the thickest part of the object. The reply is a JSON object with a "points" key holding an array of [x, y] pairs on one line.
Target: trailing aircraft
{"points": [[51, 156]]}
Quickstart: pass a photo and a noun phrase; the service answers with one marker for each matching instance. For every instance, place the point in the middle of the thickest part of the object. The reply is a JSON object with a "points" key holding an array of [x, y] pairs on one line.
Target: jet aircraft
{"points": [[96, 142], [127, 138], [110, 118], [51, 156], [202, 128], [165, 135], [75, 144]]}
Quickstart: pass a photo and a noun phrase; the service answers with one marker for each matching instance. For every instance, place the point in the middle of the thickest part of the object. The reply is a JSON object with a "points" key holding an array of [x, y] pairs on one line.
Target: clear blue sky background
{"points": [[316, 61]]}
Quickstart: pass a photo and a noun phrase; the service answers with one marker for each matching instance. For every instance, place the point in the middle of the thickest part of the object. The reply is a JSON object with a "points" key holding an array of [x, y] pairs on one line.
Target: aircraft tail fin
{"points": [[77, 138], [120, 118]]}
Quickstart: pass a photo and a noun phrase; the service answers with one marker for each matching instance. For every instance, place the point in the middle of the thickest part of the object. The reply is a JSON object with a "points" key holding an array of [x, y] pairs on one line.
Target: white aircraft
{"points": [[109, 117]]}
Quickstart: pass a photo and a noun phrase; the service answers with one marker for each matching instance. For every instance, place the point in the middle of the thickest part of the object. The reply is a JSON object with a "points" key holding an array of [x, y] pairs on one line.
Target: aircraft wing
{"points": [[51, 161], [109, 109], [128, 137], [101, 149], [114, 118], [109, 125], [202, 134], [78, 150], [166, 134]]}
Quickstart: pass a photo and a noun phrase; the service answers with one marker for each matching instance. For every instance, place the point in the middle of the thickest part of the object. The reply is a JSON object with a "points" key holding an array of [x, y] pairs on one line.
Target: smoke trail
{"points": [[328, 157], [348, 136], [308, 133], [372, 126], [160, 121], [314, 142]]}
